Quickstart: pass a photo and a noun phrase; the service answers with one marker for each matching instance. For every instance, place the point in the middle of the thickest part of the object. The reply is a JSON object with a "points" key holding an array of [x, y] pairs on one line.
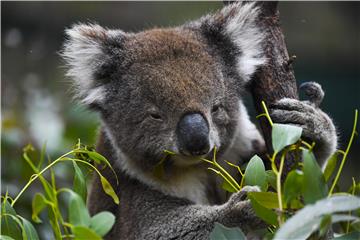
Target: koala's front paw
{"points": [[238, 211], [317, 125]]}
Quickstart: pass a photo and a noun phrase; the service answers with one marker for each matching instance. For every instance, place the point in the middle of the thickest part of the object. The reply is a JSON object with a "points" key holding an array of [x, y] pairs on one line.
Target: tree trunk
{"points": [[276, 79]]}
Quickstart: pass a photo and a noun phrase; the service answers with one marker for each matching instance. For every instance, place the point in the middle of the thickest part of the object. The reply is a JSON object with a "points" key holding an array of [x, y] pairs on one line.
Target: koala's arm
{"points": [[317, 126], [145, 213]]}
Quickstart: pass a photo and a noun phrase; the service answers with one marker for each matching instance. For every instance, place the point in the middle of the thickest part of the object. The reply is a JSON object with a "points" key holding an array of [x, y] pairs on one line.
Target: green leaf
{"points": [[314, 186], [102, 223], [29, 231], [6, 207], [227, 187], [11, 226], [265, 199], [4, 237], [38, 204], [79, 182], [356, 225], [271, 178], [283, 135], [49, 190], [42, 156], [330, 166], [78, 213], [262, 212], [324, 224], [308, 219], [255, 174], [108, 189], [84, 233], [293, 185], [98, 158], [350, 236], [356, 190], [221, 232]]}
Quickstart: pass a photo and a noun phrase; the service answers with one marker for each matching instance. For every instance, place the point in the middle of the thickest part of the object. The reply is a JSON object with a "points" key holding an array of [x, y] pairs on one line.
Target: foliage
{"points": [[79, 223], [299, 205], [302, 203]]}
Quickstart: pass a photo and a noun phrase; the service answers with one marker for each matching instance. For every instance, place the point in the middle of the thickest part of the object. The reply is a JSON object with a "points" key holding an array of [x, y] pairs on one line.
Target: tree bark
{"points": [[276, 79]]}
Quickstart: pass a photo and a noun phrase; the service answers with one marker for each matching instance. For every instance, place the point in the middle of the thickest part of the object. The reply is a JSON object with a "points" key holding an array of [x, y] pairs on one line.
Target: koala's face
{"points": [[171, 96], [172, 89]]}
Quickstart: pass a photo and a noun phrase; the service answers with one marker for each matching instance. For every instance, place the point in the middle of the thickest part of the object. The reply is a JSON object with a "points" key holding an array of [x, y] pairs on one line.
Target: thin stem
{"points": [[227, 180], [345, 154], [224, 174], [278, 186], [306, 144], [33, 178], [352, 193], [227, 174], [267, 115]]}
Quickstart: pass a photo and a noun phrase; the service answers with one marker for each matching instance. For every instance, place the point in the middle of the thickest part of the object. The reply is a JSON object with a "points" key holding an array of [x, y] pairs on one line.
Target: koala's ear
{"points": [[90, 53], [234, 30]]}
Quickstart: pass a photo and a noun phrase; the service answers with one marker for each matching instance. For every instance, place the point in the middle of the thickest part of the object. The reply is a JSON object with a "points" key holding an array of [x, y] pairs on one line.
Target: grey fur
{"points": [[317, 125], [142, 84]]}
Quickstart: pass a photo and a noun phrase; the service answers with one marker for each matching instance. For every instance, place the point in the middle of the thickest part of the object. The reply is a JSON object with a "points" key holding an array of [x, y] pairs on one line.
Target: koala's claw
{"points": [[314, 92]]}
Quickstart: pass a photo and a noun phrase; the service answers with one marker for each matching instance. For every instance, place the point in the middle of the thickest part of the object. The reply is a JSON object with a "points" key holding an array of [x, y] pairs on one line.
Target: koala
{"points": [[179, 89]]}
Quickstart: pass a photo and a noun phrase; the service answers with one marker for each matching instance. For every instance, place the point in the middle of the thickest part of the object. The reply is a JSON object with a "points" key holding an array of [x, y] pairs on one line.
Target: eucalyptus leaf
{"points": [[11, 226], [330, 166], [4, 237], [356, 225], [271, 178], [78, 213], [314, 186], [29, 231], [7, 208], [227, 187], [293, 185], [283, 135], [79, 182], [262, 212], [102, 223], [98, 158], [220, 232], [324, 224], [308, 219], [38, 204], [255, 174], [108, 189], [349, 236], [84, 233], [356, 190], [265, 199]]}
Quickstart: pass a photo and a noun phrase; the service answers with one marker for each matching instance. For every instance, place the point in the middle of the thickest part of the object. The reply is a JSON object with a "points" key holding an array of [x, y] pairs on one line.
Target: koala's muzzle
{"points": [[193, 135]]}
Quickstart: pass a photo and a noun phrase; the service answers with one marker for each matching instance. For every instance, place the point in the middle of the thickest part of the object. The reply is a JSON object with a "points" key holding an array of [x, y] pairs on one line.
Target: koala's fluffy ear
{"points": [[90, 53], [235, 27]]}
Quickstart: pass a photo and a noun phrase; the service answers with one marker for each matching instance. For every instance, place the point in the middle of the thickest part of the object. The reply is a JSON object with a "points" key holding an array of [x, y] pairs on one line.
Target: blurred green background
{"points": [[37, 105]]}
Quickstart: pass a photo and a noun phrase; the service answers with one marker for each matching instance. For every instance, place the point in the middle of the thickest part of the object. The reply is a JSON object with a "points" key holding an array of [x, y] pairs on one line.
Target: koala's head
{"points": [[174, 89]]}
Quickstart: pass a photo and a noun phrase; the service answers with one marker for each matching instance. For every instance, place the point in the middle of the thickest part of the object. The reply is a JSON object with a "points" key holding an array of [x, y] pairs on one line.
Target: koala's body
{"points": [[178, 89]]}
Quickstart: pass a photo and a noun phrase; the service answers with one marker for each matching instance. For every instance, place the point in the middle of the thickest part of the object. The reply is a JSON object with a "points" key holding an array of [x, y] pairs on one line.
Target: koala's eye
{"points": [[155, 116]]}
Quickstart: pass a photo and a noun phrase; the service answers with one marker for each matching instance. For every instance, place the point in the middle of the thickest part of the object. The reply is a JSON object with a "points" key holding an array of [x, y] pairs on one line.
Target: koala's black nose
{"points": [[193, 134]]}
